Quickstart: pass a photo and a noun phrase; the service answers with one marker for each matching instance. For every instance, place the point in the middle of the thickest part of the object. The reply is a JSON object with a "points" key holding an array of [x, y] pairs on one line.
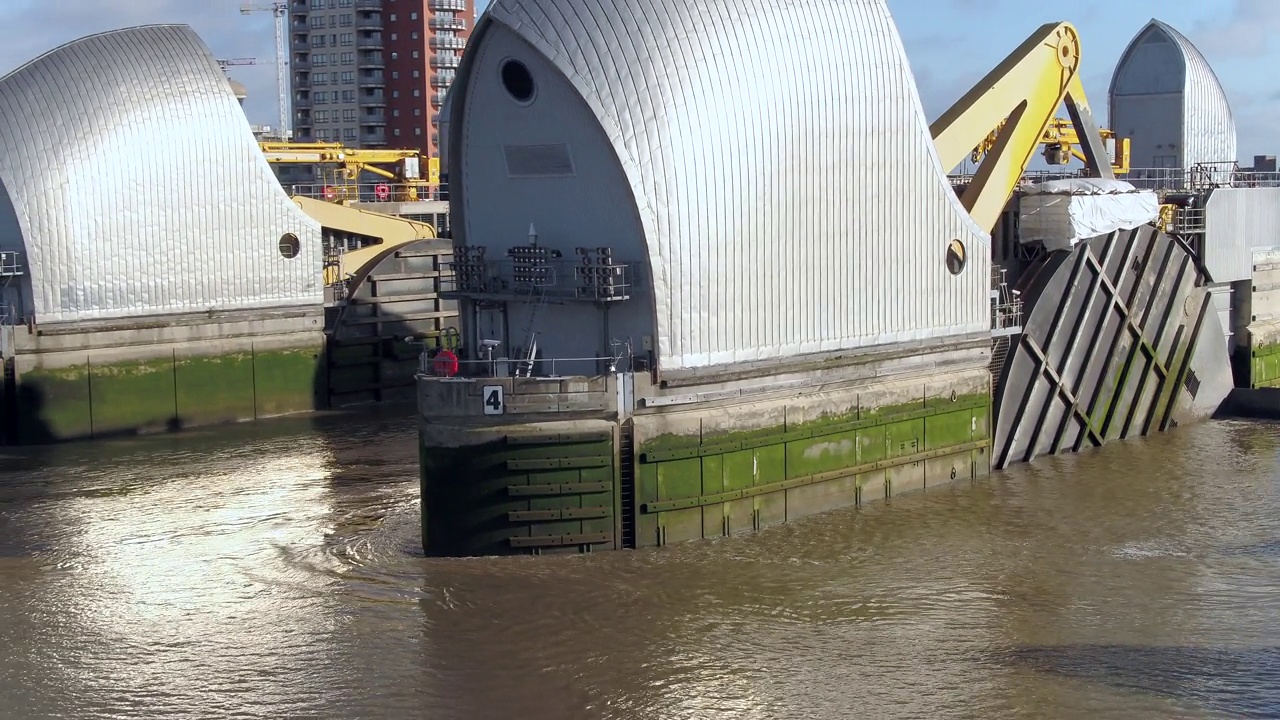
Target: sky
{"points": [[951, 44]]}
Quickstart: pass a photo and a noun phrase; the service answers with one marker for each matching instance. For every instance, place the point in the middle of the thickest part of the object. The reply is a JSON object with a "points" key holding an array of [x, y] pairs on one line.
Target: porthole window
{"points": [[517, 80], [956, 257], [290, 246]]}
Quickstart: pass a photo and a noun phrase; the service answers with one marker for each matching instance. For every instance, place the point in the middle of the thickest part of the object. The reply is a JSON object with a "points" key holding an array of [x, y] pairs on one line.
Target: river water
{"points": [[274, 570]]}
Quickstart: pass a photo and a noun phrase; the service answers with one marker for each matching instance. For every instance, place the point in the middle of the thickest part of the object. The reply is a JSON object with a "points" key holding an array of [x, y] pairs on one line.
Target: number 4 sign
{"points": [[493, 404]]}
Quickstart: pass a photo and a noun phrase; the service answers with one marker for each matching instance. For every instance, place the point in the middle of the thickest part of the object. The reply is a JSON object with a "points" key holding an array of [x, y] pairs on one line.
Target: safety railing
{"points": [[10, 263], [1199, 177], [370, 192], [436, 364]]}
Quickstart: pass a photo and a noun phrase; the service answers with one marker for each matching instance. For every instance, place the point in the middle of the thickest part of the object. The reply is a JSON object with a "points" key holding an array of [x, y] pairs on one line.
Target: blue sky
{"points": [[951, 43]]}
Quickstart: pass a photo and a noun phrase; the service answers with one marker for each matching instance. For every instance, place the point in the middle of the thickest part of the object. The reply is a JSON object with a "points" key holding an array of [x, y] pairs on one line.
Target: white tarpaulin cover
{"points": [[1060, 213]]}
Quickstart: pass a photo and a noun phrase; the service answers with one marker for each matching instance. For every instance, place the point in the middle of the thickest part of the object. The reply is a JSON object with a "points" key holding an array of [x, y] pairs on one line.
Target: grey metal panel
{"points": [[784, 209], [139, 187], [1160, 61], [1121, 339], [1237, 220]]}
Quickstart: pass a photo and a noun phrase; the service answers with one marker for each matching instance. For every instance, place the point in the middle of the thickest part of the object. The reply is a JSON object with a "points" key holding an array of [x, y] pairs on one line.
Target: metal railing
{"points": [[1199, 177], [521, 369], [10, 263], [1006, 306], [369, 192]]}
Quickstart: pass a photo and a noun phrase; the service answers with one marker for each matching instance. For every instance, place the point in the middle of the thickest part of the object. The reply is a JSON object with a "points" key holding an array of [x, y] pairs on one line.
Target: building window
{"points": [[348, 77], [417, 74], [333, 21], [344, 4], [396, 132], [417, 131], [317, 23], [395, 112], [349, 134], [317, 41], [417, 112], [413, 16], [518, 81], [348, 58], [413, 35], [417, 92], [348, 96], [346, 39], [395, 74], [393, 17], [349, 115], [415, 54], [393, 36]]}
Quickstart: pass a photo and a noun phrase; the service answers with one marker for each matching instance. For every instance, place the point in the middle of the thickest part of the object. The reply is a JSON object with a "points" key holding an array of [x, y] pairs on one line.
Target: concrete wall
{"points": [[97, 380]]}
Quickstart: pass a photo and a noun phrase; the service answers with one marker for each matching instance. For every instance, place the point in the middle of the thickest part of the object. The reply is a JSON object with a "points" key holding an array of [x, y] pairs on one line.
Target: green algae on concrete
{"points": [[1265, 366], [742, 481], [91, 399]]}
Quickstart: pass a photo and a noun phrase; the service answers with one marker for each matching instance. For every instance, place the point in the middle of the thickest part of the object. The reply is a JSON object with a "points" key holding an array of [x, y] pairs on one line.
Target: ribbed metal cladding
{"points": [[789, 191], [138, 186], [1160, 60], [1238, 220]]}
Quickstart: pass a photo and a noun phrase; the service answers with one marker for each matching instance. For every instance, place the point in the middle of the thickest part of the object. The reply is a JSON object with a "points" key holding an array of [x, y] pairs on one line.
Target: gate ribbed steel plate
{"points": [[1120, 339]]}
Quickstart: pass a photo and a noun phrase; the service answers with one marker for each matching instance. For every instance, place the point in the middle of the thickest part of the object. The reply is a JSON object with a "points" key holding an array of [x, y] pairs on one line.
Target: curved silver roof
{"points": [[788, 188], [1162, 61], [137, 185]]}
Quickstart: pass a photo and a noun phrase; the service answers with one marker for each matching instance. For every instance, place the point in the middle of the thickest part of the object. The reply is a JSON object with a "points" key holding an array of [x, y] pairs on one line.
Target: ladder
{"points": [[627, 482]]}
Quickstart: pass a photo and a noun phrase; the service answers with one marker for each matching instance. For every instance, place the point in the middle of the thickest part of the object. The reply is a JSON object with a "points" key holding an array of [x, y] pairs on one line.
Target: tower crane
{"points": [[224, 64], [281, 11]]}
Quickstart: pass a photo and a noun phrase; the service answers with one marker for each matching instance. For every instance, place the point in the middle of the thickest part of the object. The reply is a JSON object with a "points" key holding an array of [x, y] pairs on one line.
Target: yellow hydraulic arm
{"points": [[1020, 97]]}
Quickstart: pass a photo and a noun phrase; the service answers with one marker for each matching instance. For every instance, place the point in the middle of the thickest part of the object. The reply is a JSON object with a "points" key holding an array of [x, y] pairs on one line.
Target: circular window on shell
{"points": [[956, 257], [518, 81], [290, 246]]}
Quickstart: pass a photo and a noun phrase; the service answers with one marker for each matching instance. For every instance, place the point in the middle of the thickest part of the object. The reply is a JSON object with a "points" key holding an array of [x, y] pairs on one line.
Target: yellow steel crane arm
{"points": [[1017, 100]]}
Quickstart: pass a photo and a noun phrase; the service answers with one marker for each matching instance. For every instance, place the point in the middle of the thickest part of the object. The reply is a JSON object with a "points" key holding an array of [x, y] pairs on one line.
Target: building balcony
{"points": [[369, 22], [448, 43], [374, 120], [299, 7], [441, 83], [446, 61], [447, 23], [373, 138], [447, 5], [373, 100], [370, 43], [301, 63], [369, 4], [372, 81]]}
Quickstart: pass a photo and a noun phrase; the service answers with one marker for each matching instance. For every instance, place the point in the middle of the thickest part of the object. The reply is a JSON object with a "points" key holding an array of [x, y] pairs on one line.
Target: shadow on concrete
{"points": [[24, 422], [1233, 682]]}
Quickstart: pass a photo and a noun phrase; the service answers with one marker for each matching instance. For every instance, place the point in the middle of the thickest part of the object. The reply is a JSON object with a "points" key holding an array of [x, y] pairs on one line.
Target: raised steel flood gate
{"points": [[1121, 339]]}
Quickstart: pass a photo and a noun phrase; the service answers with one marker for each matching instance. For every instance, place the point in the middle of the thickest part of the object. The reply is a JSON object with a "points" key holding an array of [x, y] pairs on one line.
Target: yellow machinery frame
{"points": [[1012, 111], [407, 183]]}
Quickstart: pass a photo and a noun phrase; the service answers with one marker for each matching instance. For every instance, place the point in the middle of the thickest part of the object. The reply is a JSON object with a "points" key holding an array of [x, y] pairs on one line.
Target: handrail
{"points": [[512, 367]]}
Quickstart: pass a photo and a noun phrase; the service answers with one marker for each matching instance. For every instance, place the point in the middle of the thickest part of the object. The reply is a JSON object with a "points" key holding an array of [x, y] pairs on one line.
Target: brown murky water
{"points": [[274, 571]]}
